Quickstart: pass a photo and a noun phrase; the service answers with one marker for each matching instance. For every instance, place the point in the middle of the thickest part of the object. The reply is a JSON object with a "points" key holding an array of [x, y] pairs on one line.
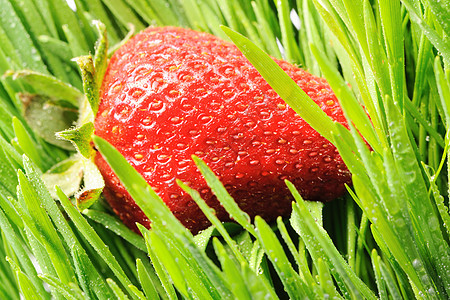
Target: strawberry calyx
{"points": [[92, 71], [77, 175]]}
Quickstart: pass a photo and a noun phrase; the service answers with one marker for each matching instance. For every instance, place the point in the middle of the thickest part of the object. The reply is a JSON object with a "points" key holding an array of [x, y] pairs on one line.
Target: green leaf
{"points": [[46, 117], [66, 174], [49, 86], [93, 185], [80, 138]]}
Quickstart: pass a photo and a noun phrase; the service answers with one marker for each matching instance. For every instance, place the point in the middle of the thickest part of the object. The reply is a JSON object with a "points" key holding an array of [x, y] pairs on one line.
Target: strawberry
{"points": [[170, 93]]}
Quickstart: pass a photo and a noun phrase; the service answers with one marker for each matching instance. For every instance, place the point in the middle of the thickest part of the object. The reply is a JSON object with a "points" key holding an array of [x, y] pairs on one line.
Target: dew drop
{"points": [[279, 161], [175, 120], [313, 154]]}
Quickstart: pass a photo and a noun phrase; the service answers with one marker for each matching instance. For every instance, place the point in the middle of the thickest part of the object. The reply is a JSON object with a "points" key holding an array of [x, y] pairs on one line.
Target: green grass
{"points": [[388, 238]]}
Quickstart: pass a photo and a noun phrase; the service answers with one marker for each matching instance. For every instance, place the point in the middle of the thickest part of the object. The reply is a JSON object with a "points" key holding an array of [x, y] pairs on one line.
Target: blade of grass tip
{"points": [[137, 292], [166, 257], [162, 275], [361, 244], [131, 179], [209, 273], [116, 289], [258, 262], [88, 274], [145, 281], [291, 280], [283, 85], [231, 271], [115, 225], [223, 196], [351, 232], [209, 212], [323, 247], [90, 235], [379, 279], [258, 287], [326, 281], [391, 282], [202, 238], [26, 286], [306, 276], [60, 287]]}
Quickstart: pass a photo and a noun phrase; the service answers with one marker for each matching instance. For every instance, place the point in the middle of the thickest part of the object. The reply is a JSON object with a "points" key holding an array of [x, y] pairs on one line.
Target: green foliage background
{"points": [[388, 238]]}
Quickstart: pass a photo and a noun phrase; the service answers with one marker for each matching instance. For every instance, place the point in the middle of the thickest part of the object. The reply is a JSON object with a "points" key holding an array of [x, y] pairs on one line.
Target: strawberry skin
{"points": [[169, 93]]}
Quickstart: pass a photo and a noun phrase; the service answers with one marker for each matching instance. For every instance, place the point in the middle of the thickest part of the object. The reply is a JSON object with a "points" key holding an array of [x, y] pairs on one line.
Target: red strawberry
{"points": [[170, 93]]}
